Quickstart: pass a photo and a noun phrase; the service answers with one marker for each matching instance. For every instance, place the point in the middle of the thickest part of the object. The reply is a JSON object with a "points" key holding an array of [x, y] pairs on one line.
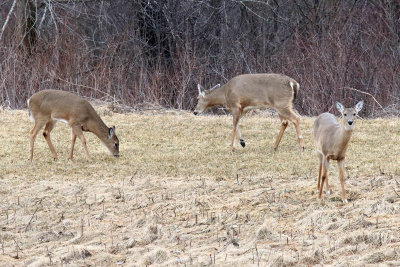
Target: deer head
{"points": [[203, 100], [349, 115]]}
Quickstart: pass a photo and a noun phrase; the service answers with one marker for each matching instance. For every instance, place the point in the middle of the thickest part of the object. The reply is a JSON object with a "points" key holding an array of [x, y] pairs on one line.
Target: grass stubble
{"points": [[178, 196]]}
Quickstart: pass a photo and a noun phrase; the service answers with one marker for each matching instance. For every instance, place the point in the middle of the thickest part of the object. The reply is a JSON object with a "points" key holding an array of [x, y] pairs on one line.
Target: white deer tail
{"points": [[295, 87], [30, 112]]}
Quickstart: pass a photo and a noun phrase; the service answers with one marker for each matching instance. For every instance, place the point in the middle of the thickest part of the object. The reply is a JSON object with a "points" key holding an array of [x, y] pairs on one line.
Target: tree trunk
{"points": [[26, 12]]}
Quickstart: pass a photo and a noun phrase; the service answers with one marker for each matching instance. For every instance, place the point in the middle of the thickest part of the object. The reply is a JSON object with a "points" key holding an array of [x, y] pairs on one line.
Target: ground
{"points": [[178, 196]]}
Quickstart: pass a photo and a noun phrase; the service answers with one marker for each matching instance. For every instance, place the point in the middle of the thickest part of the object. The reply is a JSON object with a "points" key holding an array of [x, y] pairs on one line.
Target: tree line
{"points": [[152, 51]]}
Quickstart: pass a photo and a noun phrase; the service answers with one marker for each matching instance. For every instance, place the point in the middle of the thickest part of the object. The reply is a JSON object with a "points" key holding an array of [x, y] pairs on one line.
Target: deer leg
{"points": [[73, 139], [78, 132], [296, 121], [325, 165], [328, 190], [320, 157], [236, 117], [288, 113], [32, 136], [319, 174], [239, 136], [341, 177], [283, 128], [46, 134]]}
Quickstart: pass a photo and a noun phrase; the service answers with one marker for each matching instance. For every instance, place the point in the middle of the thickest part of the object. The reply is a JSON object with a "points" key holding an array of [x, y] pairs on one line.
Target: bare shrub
{"points": [[133, 52]]}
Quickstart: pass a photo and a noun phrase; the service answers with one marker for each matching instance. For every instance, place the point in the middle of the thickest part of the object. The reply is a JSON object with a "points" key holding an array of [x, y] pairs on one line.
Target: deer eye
{"points": [[345, 114], [354, 114], [116, 145]]}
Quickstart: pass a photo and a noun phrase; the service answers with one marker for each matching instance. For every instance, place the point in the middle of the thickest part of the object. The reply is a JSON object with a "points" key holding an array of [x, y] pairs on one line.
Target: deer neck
{"points": [[216, 97], [343, 137], [97, 127]]}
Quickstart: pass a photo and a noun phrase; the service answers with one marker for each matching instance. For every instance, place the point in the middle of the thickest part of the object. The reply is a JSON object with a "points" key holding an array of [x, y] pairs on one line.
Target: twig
{"points": [[396, 192], [54, 19], [49, 255], [84, 86], [362, 92], [37, 207], [17, 248], [82, 223], [8, 17]]}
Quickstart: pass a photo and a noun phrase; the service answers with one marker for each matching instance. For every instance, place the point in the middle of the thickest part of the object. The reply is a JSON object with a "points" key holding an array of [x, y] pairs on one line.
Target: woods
{"points": [[148, 51]]}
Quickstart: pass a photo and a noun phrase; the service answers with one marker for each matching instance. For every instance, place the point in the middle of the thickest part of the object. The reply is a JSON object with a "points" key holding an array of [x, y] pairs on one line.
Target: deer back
{"points": [[261, 90], [61, 105]]}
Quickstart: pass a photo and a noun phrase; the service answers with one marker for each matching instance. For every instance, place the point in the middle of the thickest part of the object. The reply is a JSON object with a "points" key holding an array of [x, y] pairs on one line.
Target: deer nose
{"points": [[350, 122], [195, 113]]}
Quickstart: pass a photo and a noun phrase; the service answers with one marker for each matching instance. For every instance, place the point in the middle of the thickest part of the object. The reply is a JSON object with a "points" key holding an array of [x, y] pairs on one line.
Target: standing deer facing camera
{"points": [[49, 106], [251, 91], [331, 141]]}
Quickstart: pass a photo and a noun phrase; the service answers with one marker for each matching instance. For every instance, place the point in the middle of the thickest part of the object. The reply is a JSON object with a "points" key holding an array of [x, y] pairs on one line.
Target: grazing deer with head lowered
{"points": [[331, 141], [251, 91], [49, 106]]}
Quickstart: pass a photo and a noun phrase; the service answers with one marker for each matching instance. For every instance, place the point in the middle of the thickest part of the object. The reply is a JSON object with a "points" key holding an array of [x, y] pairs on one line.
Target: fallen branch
{"points": [[365, 93]]}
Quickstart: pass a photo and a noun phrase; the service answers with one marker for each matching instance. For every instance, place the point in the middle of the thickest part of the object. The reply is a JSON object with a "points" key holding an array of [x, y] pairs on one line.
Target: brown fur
{"points": [[331, 141], [48, 105], [248, 91]]}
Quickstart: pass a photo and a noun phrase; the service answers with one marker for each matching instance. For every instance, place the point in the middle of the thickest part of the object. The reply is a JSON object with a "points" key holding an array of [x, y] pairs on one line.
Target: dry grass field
{"points": [[177, 196]]}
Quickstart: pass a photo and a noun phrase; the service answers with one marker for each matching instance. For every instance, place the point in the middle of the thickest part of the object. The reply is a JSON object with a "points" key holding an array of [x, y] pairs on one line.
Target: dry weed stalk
{"points": [[34, 213]]}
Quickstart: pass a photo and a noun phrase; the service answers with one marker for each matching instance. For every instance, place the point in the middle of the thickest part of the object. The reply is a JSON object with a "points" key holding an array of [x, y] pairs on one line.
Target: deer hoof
{"points": [[329, 192], [303, 148], [242, 143]]}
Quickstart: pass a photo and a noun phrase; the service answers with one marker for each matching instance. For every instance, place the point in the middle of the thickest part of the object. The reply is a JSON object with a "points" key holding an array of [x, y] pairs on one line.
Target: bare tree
{"points": [[150, 51]]}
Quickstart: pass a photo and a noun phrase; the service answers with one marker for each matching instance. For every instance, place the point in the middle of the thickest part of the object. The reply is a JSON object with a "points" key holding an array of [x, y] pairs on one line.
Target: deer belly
{"points": [[248, 108], [335, 157]]}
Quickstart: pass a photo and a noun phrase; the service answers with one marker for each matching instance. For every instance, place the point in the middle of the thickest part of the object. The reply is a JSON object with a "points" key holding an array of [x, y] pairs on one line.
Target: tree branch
{"points": [[7, 19], [365, 93]]}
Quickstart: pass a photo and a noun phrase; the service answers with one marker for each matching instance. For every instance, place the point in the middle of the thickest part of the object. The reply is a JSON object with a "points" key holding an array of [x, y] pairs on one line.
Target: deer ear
{"points": [[359, 106], [201, 92], [111, 131], [339, 107]]}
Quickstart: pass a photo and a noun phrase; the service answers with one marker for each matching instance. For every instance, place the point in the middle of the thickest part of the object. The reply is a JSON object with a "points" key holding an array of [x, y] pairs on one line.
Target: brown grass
{"points": [[178, 196]]}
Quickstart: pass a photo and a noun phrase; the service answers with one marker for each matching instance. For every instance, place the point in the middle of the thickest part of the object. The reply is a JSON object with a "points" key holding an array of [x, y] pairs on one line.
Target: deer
{"points": [[331, 138], [253, 91], [46, 107]]}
